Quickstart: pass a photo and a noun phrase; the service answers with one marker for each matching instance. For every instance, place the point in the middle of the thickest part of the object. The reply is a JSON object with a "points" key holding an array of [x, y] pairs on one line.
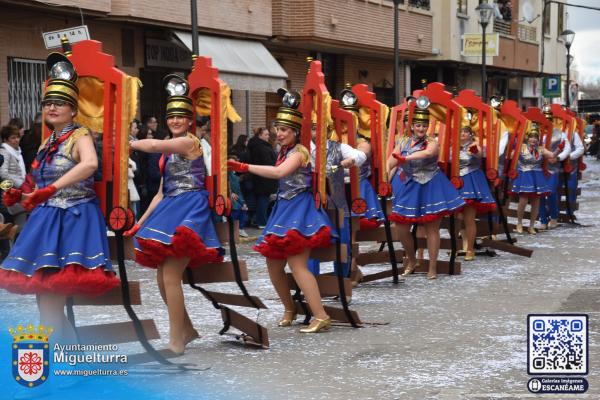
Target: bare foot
{"points": [[177, 348], [191, 336]]}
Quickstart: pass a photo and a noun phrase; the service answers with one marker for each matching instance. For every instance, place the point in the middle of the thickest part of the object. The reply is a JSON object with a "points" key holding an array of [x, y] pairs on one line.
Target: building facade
{"points": [[352, 38]]}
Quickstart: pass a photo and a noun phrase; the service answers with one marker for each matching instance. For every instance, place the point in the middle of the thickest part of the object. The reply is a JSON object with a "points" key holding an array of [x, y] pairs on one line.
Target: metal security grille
{"points": [[25, 82]]}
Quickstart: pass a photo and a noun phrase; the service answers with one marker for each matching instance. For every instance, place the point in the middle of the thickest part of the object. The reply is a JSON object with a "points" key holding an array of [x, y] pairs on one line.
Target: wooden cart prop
{"points": [[378, 113], [315, 97], [489, 127], [204, 81], [107, 104]]}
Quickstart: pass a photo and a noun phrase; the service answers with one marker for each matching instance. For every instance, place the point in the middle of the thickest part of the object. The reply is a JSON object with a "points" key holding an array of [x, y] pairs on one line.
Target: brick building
{"points": [[353, 39]]}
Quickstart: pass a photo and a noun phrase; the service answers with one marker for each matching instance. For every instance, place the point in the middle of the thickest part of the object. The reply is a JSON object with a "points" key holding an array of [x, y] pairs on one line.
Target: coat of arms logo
{"points": [[30, 354]]}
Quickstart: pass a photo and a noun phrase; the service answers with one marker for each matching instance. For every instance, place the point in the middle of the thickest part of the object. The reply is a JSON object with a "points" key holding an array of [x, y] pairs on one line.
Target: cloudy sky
{"points": [[586, 25]]}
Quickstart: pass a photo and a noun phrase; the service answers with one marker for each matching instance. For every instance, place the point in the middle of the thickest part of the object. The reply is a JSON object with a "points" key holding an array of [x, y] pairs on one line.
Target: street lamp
{"points": [[567, 36], [396, 54], [485, 11]]}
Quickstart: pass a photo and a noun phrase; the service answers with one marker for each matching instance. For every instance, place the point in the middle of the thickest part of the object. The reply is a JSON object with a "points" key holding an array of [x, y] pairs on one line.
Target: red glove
{"points": [[237, 166], [132, 231], [11, 197], [473, 149], [561, 145], [38, 196], [401, 159]]}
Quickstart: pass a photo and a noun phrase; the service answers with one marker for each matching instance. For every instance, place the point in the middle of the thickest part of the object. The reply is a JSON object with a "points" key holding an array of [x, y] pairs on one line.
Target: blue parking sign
{"points": [[551, 86]]}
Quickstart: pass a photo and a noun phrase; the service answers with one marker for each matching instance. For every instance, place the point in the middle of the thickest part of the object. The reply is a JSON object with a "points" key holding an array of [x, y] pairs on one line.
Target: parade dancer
{"points": [[176, 231], [530, 183], [63, 249], [560, 145], [427, 194], [475, 190], [295, 225], [339, 157]]}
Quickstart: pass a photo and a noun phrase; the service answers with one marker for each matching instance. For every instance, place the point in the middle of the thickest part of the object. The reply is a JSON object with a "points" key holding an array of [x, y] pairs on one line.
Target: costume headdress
{"points": [[547, 110], [421, 112], [288, 114], [178, 102], [61, 85]]}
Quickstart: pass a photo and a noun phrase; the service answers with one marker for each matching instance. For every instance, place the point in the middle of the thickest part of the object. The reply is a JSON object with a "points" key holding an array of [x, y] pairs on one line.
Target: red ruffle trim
{"points": [[401, 219], [185, 243], [481, 207], [292, 243], [72, 280], [367, 224], [529, 194]]}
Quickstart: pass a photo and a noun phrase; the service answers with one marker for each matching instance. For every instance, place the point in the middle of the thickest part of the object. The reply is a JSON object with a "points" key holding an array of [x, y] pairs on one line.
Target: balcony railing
{"points": [[527, 32], [424, 4], [502, 27]]}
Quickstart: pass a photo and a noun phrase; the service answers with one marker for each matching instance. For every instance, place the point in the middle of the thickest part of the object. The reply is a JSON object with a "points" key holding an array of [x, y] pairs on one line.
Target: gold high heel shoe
{"points": [[531, 230], [410, 268], [470, 256], [317, 325], [285, 321], [433, 276], [519, 228]]}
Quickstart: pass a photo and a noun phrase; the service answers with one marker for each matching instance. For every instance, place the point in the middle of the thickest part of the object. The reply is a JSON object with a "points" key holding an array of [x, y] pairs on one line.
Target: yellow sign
{"points": [[472, 44]]}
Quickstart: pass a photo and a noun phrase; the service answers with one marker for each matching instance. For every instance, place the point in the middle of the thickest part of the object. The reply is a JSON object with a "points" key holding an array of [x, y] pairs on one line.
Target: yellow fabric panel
{"points": [[304, 154], [364, 120], [91, 103], [203, 100]]}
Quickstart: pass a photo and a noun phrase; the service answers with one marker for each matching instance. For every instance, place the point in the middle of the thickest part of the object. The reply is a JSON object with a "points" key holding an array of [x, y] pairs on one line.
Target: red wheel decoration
{"points": [[569, 168], [117, 220], [457, 182], [385, 189], [582, 166], [317, 200], [491, 174], [359, 206], [130, 220], [220, 206], [513, 174]]}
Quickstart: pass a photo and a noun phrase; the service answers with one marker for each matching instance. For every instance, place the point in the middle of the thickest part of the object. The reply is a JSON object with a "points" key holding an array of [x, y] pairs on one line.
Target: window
{"points": [[561, 18], [461, 7], [25, 82], [424, 4], [547, 15]]}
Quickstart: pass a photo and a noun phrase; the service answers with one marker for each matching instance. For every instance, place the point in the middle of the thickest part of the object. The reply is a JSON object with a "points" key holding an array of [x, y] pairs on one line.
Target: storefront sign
{"points": [[162, 53], [472, 44], [76, 34]]}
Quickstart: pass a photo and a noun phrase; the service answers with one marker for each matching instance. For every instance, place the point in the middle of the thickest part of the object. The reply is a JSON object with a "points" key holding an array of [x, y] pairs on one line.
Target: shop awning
{"points": [[242, 64]]}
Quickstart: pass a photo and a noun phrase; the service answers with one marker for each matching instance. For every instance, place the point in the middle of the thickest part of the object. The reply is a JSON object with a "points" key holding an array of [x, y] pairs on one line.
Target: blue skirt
{"points": [[476, 191], [530, 183], [293, 226], [62, 251], [421, 203], [179, 227], [368, 194]]}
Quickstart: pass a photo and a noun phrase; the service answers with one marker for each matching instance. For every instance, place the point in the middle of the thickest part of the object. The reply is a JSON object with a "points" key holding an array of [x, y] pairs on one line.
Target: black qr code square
{"points": [[557, 344]]}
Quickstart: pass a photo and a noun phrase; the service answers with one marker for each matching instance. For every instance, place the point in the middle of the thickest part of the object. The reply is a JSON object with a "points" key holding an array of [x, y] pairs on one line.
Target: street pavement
{"points": [[457, 337]]}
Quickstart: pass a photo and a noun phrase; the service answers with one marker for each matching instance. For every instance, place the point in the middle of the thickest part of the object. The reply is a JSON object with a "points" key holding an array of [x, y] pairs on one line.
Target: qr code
{"points": [[557, 344]]}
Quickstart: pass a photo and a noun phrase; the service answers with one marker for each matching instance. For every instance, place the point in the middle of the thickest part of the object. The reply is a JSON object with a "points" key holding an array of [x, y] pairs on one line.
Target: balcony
{"points": [[527, 33], [502, 27]]}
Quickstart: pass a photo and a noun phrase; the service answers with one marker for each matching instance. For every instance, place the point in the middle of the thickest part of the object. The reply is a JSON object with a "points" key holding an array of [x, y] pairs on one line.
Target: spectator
{"points": [[148, 162], [506, 11], [262, 153], [18, 122], [239, 209], [240, 149], [31, 141], [13, 168], [134, 197]]}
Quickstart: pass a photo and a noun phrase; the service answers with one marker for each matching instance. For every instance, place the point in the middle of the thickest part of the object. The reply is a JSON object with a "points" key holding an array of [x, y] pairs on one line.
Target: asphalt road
{"points": [[457, 337]]}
